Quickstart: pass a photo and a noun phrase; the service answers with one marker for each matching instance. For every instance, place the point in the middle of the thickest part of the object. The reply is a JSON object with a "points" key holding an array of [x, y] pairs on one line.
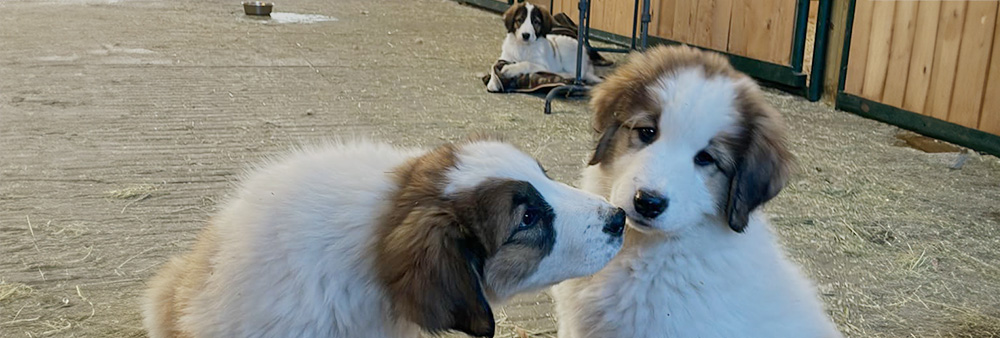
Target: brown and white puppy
{"points": [[529, 48], [370, 240], [690, 149]]}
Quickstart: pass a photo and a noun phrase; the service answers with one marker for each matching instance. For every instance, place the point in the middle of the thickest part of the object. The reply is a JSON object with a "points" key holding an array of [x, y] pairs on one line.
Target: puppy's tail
{"points": [[159, 307]]}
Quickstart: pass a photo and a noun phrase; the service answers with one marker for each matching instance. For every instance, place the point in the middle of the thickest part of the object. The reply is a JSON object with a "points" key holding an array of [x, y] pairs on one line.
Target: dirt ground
{"points": [[123, 123]]}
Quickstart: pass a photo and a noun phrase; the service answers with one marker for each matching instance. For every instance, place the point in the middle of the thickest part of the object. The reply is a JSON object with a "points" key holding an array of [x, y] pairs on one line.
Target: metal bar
{"points": [[582, 29], [799, 37], [967, 137], [646, 18], [635, 21], [587, 25], [611, 50], [847, 45], [580, 36], [818, 71], [569, 89]]}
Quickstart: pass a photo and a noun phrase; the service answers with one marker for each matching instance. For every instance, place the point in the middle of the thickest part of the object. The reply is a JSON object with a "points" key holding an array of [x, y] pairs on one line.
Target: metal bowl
{"points": [[257, 8]]}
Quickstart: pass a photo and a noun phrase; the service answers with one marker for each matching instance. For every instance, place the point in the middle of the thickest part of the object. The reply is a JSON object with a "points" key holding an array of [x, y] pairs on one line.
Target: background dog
{"points": [[690, 150], [529, 48], [368, 240]]}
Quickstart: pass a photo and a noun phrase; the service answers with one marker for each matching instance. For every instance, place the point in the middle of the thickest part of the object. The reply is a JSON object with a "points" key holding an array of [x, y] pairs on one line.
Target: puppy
{"points": [[529, 48], [369, 240], [690, 149]]}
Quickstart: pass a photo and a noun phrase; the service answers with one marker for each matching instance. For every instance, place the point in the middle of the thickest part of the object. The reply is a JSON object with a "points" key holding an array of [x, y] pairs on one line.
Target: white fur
{"points": [[688, 274], [293, 255], [552, 53]]}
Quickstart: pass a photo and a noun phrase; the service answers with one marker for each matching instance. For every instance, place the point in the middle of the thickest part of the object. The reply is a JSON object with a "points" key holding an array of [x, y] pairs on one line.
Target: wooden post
{"points": [[835, 50]]}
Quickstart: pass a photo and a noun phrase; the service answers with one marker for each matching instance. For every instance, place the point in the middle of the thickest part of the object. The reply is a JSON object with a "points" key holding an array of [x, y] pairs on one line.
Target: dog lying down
{"points": [[691, 151], [369, 240], [529, 48]]}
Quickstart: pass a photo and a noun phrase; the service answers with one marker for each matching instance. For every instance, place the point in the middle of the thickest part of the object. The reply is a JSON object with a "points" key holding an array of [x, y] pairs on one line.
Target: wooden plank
{"points": [[949, 38], [654, 27], [922, 56], [835, 50], [989, 117], [703, 22], [878, 50], [712, 21], [782, 32], [597, 17], [738, 33], [623, 17], [665, 19], [900, 50], [721, 17], [684, 21], [611, 16], [572, 8], [760, 23], [860, 36], [973, 62], [619, 20]]}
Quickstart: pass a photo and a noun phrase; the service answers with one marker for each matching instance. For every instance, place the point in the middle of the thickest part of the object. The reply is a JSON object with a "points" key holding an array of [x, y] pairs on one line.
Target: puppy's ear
{"points": [[433, 269], [606, 100], [763, 169], [546, 26], [602, 151], [508, 18]]}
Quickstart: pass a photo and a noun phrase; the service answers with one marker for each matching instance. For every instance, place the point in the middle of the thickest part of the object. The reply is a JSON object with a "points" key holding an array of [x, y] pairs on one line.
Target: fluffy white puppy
{"points": [[369, 240], [691, 151]]}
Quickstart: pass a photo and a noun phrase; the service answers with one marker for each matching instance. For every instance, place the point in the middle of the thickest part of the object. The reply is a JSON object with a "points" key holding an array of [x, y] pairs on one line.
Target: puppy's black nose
{"points": [[649, 204], [616, 223], [525, 36]]}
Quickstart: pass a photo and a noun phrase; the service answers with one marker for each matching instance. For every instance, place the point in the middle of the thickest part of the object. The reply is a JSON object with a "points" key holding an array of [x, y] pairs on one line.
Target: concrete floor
{"points": [[123, 123]]}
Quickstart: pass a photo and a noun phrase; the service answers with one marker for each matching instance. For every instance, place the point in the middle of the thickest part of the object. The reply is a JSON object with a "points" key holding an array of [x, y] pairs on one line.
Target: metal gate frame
{"points": [[923, 124], [788, 78]]}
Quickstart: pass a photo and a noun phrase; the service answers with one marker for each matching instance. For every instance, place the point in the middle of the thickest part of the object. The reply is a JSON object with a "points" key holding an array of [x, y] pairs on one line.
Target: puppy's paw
{"points": [[509, 72], [494, 85]]}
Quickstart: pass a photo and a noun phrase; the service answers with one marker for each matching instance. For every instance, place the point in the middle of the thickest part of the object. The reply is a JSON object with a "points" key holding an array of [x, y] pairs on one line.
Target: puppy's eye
{"points": [[703, 158], [530, 218], [646, 135]]}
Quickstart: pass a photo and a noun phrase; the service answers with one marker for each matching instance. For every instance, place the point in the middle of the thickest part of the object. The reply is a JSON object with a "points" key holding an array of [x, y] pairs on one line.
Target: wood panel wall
{"points": [[936, 58], [758, 29]]}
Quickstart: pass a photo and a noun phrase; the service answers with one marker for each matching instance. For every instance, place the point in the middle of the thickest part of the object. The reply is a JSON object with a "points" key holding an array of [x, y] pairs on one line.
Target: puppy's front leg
{"points": [[519, 68]]}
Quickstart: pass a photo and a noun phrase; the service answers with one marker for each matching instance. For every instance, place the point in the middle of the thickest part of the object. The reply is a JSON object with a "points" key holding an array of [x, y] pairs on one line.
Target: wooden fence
{"points": [[756, 29], [936, 58]]}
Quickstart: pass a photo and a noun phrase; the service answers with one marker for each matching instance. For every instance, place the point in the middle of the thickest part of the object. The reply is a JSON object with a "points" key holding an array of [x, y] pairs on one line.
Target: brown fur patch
{"points": [[174, 286], [431, 263], [514, 16], [763, 162], [433, 249]]}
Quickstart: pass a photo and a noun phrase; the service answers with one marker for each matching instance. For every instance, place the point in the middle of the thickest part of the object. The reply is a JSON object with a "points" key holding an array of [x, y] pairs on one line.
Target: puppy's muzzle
{"points": [[525, 36], [616, 223]]}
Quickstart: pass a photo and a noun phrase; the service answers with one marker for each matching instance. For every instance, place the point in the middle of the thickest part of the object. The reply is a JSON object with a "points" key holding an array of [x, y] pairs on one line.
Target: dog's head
{"points": [[685, 138], [481, 221], [527, 22]]}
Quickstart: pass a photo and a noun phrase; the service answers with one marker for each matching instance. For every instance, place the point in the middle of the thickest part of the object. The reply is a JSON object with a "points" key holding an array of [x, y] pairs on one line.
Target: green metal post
{"points": [[818, 71], [799, 38]]}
